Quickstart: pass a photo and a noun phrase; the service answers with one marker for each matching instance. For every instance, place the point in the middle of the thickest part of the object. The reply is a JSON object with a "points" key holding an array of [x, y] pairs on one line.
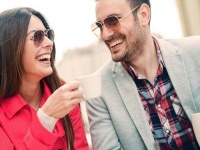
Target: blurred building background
{"points": [[189, 12], [86, 60]]}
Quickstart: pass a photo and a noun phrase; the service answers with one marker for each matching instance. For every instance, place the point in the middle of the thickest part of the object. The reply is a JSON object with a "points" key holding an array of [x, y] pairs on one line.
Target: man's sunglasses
{"points": [[38, 36], [111, 22]]}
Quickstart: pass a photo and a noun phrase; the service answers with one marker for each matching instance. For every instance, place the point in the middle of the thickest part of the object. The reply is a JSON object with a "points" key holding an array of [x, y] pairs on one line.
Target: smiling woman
{"points": [[34, 102]]}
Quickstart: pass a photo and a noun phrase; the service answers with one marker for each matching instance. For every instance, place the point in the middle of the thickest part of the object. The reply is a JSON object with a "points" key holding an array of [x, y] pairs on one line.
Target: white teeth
{"points": [[114, 43], [44, 57]]}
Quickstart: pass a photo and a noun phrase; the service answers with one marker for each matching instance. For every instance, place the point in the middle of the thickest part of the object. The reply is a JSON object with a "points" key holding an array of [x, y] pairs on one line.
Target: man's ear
{"points": [[144, 14]]}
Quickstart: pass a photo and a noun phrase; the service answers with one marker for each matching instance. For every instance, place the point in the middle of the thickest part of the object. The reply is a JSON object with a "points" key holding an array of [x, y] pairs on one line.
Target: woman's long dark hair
{"points": [[13, 31]]}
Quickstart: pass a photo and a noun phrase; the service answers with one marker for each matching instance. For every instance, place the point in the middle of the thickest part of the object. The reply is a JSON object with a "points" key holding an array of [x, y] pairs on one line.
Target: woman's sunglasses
{"points": [[111, 22], [38, 36]]}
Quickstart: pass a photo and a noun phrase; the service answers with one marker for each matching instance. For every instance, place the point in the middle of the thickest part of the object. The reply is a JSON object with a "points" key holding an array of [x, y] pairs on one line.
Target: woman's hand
{"points": [[63, 100]]}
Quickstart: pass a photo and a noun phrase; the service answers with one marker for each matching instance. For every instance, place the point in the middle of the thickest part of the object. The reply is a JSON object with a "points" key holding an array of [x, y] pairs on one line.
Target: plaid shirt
{"points": [[169, 124]]}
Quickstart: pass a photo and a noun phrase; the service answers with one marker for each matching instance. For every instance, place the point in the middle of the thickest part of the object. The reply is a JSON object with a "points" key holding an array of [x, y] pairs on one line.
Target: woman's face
{"points": [[36, 58]]}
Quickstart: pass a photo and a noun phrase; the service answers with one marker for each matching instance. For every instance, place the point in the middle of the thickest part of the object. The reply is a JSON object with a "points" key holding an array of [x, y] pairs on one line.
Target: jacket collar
{"points": [[12, 105]]}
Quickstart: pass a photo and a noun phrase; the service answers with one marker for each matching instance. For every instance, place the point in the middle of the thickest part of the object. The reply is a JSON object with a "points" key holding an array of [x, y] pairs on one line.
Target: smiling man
{"points": [[150, 87]]}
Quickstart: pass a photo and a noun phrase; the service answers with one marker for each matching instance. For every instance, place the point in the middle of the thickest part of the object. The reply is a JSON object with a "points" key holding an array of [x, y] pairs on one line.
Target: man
{"points": [[151, 87]]}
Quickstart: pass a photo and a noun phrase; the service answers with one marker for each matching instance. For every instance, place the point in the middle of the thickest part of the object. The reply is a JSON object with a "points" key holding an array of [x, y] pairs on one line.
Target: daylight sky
{"points": [[72, 19]]}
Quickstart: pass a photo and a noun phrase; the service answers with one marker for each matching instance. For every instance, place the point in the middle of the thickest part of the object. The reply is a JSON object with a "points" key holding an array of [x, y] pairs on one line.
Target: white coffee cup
{"points": [[196, 125], [91, 86]]}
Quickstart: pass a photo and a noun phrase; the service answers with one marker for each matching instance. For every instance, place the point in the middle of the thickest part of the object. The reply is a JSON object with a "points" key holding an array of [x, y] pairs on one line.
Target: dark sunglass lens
{"points": [[51, 34], [111, 22], [99, 24], [38, 36]]}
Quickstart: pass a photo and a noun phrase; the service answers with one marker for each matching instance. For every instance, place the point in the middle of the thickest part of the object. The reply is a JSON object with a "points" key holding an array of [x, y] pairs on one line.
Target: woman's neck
{"points": [[31, 93]]}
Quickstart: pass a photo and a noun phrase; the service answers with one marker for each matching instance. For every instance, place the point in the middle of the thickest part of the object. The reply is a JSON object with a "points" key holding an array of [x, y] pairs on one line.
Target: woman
{"points": [[37, 110]]}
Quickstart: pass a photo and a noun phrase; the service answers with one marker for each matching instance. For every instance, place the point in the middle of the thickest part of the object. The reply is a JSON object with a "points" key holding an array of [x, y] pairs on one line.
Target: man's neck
{"points": [[147, 63]]}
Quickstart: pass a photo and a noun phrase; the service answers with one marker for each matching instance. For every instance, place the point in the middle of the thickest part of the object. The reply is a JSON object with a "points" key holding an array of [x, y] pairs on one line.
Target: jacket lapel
{"points": [[132, 102], [175, 66]]}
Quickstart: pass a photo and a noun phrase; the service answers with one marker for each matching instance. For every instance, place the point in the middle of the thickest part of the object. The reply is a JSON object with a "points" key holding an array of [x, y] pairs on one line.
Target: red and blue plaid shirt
{"points": [[169, 124]]}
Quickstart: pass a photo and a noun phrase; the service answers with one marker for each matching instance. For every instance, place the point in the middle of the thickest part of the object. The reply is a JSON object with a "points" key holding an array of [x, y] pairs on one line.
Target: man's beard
{"points": [[134, 47]]}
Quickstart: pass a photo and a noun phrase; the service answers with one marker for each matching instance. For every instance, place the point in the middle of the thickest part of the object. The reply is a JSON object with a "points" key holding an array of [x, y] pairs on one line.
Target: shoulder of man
{"points": [[190, 43]]}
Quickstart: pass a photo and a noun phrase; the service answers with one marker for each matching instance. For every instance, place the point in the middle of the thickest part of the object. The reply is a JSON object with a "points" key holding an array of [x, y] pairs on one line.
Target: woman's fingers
{"points": [[63, 100]]}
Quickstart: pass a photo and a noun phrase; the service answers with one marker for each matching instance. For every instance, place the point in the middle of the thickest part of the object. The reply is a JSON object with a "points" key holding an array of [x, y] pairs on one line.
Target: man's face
{"points": [[125, 41]]}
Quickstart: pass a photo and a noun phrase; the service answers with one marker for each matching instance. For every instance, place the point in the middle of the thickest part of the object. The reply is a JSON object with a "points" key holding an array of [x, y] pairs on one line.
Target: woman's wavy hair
{"points": [[13, 32]]}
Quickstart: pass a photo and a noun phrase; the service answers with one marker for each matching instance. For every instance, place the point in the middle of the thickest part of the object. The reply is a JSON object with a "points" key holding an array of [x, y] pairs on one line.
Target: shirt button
{"points": [[167, 131], [159, 105]]}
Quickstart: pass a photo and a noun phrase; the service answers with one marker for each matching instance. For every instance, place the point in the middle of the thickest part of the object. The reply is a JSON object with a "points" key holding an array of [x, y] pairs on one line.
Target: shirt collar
{"points": [[11, 105]]}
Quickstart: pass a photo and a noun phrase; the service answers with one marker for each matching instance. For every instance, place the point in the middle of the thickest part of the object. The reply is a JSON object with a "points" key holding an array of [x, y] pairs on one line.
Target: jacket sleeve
{"points": [[5, 142], [38, 137], [80, 142]]}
